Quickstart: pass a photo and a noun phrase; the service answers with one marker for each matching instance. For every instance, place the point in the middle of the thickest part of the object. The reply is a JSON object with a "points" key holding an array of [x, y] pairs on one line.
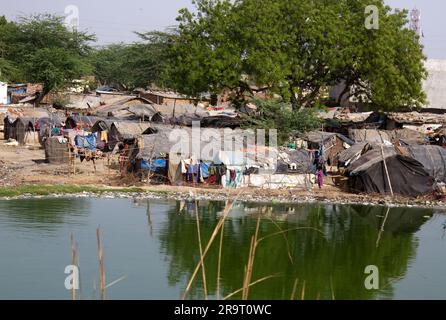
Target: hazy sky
{"points": [[114, 21]]}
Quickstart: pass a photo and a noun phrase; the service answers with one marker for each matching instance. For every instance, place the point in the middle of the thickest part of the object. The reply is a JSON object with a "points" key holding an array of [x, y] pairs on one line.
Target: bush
{"points": [[275, 114]]}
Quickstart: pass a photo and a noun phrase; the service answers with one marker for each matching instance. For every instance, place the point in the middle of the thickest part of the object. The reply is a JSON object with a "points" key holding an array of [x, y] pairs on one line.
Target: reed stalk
{"points": [[219, 260], [101, 265], [208, 246], [250, 285], [203, 269], [250, 266], [293, 293]]}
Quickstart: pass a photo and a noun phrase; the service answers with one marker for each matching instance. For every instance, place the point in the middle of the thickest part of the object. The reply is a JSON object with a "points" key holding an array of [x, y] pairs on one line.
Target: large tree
{"points": [[296, 48], [129, 66], [41, 48]]}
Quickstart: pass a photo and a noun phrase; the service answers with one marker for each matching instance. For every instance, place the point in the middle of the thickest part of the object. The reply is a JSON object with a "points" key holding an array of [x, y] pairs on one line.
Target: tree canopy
{"points": [[129, 66], [41, 49], [295, 48]]}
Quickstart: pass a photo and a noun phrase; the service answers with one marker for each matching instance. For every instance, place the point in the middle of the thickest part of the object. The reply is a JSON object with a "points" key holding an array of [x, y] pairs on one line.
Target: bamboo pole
{"points": [[385, 164], [387, 171]]}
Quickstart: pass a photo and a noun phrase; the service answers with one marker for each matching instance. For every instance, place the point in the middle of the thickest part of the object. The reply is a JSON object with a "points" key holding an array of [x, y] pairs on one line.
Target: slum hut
{"points": [[150, 154], [418, 121], [227, 169], [8, 127], [23, 131], [57, 150], [80, 122], [124, 131], [102, 129], [350, 155], [49, 126], [330, 143], [433, 159], [399, 174], [146, 112], [388, 137], [118, 108], [293, 162]]}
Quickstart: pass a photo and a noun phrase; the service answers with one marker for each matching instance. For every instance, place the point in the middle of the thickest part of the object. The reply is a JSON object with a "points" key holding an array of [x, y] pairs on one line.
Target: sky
{"points": [[115, 21]]}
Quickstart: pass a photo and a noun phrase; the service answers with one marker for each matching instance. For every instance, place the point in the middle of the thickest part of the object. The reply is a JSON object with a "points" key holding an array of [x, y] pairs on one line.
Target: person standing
{"points": [[320, 177]]}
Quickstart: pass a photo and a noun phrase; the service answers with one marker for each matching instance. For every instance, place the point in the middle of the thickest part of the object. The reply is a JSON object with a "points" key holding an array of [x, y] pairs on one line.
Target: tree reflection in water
{"points": [[329, 265]]}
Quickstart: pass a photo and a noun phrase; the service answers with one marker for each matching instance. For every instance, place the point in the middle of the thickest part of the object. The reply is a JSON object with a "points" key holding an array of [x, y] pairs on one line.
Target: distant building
{"points": [[168, 98], [434, 86]]}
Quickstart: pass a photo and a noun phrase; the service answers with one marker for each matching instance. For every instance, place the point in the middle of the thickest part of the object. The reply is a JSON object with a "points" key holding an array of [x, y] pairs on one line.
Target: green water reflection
{"points": [[328, 266], [154, 243]]}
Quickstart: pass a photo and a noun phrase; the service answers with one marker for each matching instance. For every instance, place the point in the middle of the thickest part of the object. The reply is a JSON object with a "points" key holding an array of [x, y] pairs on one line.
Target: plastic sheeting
{"points": [[277, 181]]}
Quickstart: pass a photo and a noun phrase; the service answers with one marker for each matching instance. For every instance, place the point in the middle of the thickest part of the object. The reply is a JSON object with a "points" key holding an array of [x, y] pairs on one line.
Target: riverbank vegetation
{"points": [[45, 190]]}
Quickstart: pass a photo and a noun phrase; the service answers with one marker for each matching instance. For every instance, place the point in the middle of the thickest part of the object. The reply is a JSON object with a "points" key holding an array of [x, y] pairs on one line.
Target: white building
{"points": [[3, 93], [434, 87], [435, 84]]}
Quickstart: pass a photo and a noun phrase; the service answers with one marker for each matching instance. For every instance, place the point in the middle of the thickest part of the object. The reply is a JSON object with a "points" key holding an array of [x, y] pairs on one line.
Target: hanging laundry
{"points": [[174, 172]]}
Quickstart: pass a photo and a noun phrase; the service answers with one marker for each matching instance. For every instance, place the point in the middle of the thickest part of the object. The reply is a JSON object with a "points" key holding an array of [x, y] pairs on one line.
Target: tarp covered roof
{"points": [[381, 136], [351, 154], [406, 176], [319, 137], [433, 159], [129, 130]]}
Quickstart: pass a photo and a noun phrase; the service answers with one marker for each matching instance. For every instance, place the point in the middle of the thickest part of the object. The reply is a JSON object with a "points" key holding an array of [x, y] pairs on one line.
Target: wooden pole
{"points": [[385, 164], [69, 160]]}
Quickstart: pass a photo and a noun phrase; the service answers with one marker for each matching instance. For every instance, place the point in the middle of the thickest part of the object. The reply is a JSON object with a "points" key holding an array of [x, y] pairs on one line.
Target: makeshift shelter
{"points": [[102, 125], [146, 112], [433, 159], [387, 137], [57, 150], [49, 127], [221, 122], [8, 127], [331, 143], [401, 174], [293, 162], [81, 122], [350, 155], [123, 131], [23, 131]]}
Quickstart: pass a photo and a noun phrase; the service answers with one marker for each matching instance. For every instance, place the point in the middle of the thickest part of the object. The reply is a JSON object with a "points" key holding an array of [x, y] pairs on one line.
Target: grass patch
{"points": [[44, 190]]}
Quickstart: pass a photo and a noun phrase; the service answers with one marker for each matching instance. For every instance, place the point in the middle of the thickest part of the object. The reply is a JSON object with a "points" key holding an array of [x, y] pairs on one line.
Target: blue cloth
{"points": [[204, 167], [154, 165], [90, 142], [192, 173], [87, 142]]}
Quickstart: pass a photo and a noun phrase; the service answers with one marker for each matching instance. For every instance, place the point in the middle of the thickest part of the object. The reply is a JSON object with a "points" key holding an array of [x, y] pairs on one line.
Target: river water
{"points": [[152, 246]]}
